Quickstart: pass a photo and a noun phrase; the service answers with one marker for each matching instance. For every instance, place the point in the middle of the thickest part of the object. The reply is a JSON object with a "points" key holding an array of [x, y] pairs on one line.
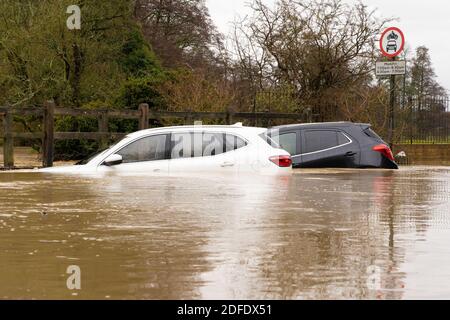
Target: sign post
{"points": [[392, 43]]}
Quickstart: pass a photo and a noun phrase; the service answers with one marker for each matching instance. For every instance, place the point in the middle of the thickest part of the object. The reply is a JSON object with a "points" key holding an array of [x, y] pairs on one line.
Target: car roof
{"points": [[321, 125], [238, 127]]}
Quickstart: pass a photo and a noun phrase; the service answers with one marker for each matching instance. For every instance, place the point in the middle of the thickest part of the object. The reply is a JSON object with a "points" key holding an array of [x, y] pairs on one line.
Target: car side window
{"points": [[288, 141], [342, 139], [212, 144], [317, 140], [203, 144], [233, 142], [151, 148]]}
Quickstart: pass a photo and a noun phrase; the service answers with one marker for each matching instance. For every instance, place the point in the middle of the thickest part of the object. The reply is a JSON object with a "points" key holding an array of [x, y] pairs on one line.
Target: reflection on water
{"points": [[310, 236]]}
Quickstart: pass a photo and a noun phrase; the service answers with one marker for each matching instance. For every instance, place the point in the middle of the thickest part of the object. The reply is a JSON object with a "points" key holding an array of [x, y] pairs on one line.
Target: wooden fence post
{"points": [[103, 127], [229, 116], [143, 119], [8, 141], [48, 140]]}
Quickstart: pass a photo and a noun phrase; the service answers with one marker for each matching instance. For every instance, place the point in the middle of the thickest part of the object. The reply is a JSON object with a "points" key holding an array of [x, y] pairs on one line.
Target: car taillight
{"points": [[282, 161], [384, 150]]}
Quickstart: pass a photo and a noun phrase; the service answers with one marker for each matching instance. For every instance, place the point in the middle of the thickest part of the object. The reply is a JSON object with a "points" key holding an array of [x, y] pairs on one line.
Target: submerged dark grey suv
{"points": [[334, 145]]}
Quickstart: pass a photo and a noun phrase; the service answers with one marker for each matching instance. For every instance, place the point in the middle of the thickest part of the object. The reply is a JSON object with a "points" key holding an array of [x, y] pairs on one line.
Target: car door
{"points": [[201, 151], [144, 155], [328, 148]]}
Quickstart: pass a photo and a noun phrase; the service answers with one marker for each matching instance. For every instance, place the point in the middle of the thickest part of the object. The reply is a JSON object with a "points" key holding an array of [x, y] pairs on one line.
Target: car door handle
{"points": [[157, 170], [227, 164], [350, 154]]}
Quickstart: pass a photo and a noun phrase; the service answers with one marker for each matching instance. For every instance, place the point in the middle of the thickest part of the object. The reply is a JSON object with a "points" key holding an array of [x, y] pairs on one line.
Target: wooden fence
{"points": [[49, 111]]}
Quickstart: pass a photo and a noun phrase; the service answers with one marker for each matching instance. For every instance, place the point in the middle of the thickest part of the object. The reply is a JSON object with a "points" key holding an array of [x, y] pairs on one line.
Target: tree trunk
{"points": [[77, 70]]}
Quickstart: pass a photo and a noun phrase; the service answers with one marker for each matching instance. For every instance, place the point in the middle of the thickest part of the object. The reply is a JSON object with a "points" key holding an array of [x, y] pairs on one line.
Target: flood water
{"points": [[319, 234]]}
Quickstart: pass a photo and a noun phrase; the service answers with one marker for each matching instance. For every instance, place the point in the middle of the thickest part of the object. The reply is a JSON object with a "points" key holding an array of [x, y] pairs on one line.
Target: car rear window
{"points": [[372, 134]]}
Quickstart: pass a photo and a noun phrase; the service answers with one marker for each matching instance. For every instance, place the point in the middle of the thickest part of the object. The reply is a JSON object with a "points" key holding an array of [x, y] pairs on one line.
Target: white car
{"points": [[187, 149]]}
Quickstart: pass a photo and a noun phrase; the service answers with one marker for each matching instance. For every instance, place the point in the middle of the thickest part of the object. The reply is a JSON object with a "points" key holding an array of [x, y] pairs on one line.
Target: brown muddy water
{"points": [[321, 234]]}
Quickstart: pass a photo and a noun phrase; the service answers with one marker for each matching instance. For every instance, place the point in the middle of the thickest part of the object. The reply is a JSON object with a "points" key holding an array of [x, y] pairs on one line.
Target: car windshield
{"points": [[92, 156]]}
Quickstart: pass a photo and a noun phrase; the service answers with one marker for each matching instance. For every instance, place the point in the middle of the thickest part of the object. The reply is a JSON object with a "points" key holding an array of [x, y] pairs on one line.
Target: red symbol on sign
{"points": [[392, 42]]}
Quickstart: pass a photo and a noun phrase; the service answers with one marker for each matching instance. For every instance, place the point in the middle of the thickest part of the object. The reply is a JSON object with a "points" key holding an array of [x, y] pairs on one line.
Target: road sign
{"points": [[392, 42], [390, 68]]}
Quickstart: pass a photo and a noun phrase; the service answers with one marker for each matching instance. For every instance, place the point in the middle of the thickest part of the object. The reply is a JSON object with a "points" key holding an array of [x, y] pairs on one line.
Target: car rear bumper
{"points": [[388, 164]]}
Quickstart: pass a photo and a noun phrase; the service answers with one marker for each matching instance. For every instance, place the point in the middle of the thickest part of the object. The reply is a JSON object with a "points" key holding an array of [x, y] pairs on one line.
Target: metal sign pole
{"points": [[392, 110]]}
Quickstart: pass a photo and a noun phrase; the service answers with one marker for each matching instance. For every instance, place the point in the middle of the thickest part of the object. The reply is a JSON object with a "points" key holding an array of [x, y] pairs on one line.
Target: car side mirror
{"points": [[113, 160]]}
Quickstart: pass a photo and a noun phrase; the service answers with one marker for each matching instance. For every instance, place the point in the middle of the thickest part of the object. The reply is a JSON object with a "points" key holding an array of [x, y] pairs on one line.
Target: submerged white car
{"points": [[187, 149]]}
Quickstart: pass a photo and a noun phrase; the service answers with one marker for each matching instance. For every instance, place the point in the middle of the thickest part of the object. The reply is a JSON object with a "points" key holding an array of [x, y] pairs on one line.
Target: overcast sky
{"points": [[423, 23]]}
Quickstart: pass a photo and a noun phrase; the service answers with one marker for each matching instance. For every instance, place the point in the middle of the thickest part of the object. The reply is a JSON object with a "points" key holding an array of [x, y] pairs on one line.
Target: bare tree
{"points": [[180, 31], [322, 48]]}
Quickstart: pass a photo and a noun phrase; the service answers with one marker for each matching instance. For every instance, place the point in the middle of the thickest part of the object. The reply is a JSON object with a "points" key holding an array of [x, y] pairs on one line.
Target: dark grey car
{"points": [[334, 145]]}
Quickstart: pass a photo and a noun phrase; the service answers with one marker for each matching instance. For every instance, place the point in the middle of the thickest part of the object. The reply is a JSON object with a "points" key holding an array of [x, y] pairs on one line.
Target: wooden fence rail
{"points": [[49, 111]]}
